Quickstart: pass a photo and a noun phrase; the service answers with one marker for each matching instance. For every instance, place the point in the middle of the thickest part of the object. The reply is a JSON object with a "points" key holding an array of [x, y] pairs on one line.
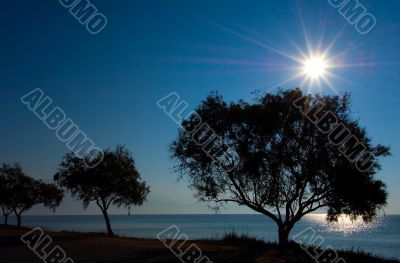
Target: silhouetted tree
{"points": [[5, 198], [23, 192], [114, 181], [286, 167]]}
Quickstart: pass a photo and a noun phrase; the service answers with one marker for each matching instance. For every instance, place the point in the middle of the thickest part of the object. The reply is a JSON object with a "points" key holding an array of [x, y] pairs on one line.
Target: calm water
{"points": [[381, 237]]}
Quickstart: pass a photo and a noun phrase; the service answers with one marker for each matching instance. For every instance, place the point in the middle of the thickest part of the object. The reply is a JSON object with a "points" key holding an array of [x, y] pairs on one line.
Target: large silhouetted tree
{"points": [[22, 192], [286, 166], [114, 181]]}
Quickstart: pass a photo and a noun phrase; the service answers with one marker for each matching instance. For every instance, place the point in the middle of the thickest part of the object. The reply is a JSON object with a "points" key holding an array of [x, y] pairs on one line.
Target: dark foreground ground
{"points": [[87, 248]]}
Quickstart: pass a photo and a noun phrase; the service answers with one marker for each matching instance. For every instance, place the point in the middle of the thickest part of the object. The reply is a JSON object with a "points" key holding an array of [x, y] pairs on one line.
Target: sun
{"points": [[314, 63], [315, 67]]}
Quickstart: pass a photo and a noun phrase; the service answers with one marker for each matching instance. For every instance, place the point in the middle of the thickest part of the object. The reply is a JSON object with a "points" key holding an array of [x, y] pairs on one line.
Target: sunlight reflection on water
{"points": [[345, 225]]}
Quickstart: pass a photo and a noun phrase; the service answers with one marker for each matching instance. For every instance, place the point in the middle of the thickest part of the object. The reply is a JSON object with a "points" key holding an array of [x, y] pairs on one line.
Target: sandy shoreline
{"points": [[90, 248]]}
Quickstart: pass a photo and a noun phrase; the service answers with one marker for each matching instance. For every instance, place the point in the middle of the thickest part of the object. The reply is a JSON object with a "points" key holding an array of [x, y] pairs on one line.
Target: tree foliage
{"points": [[20, 192], [286, 167], [114, 181]]}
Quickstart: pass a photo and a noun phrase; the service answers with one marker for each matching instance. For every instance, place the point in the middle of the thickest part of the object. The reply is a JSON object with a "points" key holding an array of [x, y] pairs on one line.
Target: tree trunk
{"points": [[108, 224], [5, 214], [18, 220], [283, 236]]}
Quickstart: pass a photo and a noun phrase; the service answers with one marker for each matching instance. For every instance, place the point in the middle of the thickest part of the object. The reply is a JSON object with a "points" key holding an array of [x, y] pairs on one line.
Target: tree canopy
{"points": [[114, 181], [286, 166], [20, 192]]}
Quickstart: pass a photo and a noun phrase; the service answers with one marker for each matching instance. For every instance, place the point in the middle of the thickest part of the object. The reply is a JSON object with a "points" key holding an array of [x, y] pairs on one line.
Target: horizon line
{"points": [[388, 214]]}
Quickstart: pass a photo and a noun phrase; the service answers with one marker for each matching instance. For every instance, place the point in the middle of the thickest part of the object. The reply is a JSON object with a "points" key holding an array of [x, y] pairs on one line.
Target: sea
{"points": [[381, 237]]}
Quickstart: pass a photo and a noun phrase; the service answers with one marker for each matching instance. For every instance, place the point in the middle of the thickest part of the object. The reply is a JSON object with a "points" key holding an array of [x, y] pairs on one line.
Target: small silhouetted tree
{"points": [[5, 198], [114, 181], [22, 192], [285, 167]]}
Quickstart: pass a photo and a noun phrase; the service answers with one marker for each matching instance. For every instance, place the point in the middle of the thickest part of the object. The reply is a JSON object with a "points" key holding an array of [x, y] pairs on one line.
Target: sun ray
{"points": [[251, 40], [296, 46], [315, 65], [329, 83], [334, 76], [333, 41], [303, 26], [280, 83]]}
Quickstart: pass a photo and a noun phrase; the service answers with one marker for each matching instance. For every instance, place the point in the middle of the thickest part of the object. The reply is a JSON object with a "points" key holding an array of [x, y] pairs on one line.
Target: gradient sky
{"points": [[109, 83]]}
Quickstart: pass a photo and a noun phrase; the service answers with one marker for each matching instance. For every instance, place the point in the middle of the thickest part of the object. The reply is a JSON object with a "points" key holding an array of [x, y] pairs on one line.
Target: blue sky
{"points": [[109, 83]]}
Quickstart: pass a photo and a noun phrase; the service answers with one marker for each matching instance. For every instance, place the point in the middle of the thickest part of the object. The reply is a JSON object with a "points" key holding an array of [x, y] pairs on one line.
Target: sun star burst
{"points": [[312, 64], [315, 67]]}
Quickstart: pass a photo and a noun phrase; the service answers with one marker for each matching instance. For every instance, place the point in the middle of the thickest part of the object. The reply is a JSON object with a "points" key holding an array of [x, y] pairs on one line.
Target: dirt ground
{"points": [[91, 248]]}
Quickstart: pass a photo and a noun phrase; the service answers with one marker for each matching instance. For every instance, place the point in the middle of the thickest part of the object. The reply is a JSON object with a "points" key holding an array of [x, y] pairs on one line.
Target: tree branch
{"points": [[256, 207]]}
